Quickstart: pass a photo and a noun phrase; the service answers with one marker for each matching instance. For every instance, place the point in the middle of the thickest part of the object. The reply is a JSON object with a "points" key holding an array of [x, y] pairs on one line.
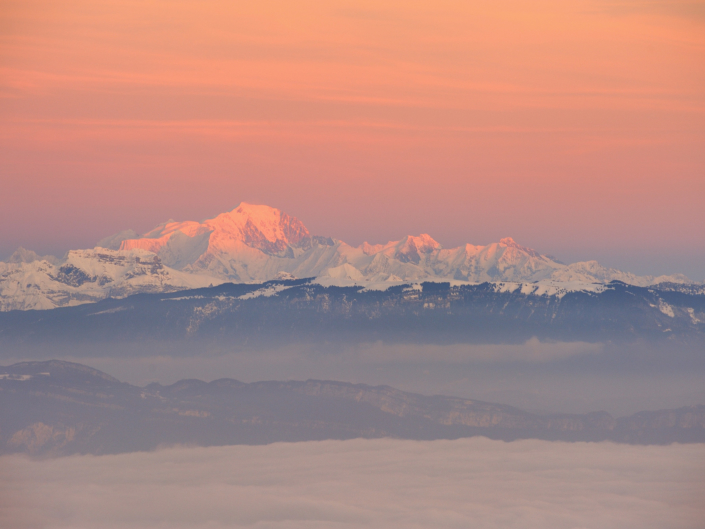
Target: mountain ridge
{"points": [[305, 311], [256, 243], [62, 408]]}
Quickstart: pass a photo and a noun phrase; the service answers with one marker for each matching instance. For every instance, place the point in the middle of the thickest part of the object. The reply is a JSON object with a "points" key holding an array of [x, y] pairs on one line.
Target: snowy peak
{"points": [[256, 243], [413, 249], [261, 227], [510, 243], [113, 242], [211, 244], [22, 255], [155, 240]]}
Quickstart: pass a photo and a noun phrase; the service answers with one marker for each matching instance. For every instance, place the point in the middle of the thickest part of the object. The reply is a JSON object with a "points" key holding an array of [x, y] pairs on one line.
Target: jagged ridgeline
{"points": [[253, 244], [283, 312]]}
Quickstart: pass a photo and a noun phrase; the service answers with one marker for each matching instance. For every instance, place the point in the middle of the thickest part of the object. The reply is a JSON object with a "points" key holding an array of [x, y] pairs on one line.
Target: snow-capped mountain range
{"points": [[255, 243]]}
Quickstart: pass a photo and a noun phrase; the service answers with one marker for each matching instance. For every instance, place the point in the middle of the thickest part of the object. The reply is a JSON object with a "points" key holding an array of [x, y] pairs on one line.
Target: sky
{"points": [[387, 483], [577, 128]]}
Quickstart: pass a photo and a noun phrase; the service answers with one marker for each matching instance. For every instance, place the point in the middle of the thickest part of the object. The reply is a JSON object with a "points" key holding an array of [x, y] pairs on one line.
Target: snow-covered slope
{"points": [[254, 243], [594, 272], [234, 245], [23, 255], [87, 276]]}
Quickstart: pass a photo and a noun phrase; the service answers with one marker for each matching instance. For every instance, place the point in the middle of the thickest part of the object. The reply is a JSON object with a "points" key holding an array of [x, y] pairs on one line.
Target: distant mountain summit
{"points": [[259, 227], [256, 243], [23, 255]]}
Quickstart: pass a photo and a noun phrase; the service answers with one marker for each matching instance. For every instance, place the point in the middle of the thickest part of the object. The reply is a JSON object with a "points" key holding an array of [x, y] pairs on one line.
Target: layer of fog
{"points": [[364, 483], [535, 376]]}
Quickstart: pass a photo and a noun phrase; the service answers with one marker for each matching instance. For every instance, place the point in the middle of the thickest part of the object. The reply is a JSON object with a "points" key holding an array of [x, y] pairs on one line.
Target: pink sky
{"points": [[577, 128]]}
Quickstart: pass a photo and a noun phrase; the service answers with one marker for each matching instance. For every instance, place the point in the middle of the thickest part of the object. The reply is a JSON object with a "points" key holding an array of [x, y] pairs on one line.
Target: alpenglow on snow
{"points": [[256, 243]]}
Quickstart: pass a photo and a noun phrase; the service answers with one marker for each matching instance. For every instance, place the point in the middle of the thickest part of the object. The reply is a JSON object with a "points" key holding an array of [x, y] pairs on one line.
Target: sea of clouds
{"points": [[465, 483]]}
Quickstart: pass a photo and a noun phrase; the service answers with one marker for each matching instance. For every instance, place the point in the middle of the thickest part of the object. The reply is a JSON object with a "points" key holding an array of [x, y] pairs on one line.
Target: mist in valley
{"points": [[543, 377]]}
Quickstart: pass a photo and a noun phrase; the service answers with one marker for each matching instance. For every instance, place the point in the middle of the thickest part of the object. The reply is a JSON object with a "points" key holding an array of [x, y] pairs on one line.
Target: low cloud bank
{"points": [[363, 483], [531, 351], [320, 362], [460, 370]]}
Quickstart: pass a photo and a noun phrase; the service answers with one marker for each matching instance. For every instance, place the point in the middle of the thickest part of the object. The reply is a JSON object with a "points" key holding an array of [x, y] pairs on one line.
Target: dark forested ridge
{"points": [[279, 312]]}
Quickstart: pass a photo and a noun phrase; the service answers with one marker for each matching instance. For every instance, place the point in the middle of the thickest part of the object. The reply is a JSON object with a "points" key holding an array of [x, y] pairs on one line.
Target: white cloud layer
{"points": [[466, 483]]}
